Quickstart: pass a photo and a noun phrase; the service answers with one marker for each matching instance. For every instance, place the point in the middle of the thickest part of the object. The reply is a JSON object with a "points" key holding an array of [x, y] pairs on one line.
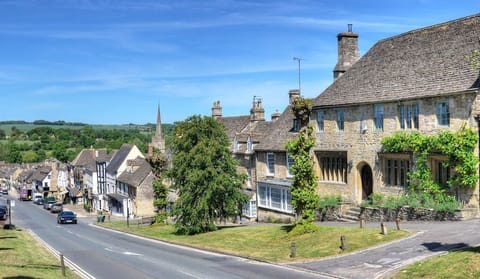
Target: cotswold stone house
{"points": [[417, 81], [245, 133]]}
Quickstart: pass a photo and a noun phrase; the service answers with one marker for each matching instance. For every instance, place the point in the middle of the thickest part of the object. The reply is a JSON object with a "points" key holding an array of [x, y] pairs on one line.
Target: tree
{"points": [[159, 165], [304, 197], [204, 173]]}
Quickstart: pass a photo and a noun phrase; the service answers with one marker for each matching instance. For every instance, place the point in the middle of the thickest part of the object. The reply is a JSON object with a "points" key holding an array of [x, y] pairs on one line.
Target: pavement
{"points": [[430, 239]]}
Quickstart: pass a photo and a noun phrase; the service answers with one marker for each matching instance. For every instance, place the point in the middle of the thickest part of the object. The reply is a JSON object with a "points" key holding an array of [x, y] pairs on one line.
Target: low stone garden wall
{"points": [[404, 213]]}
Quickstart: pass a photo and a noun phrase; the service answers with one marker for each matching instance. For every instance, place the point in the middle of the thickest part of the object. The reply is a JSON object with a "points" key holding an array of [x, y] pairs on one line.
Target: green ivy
{"points": [[458, 147], [304, 197]]}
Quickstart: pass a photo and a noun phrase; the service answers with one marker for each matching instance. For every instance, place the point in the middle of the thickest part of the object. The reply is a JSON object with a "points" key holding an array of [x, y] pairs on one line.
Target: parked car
{"points": [[48, 202], [5, 191], [3, 212], [66, 217], [56, 207], [38, 201]]}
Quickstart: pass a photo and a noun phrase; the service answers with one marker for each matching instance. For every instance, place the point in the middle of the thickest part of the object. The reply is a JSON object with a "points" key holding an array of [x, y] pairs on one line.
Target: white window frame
{"points": [[443, 113], [290, 163], [270, 162], [321, 120], [296, 125], [249, 144], [265, 198], [409, 116], [340, 119], [235, 144], [378, 116], [249, 209]]}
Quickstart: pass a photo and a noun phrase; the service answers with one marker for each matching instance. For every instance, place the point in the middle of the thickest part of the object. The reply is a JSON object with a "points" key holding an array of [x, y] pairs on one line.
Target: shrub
{"points": [[330, 201]]}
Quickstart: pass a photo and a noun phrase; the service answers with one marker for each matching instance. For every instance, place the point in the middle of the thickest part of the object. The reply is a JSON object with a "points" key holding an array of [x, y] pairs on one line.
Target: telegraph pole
{"points": [[299, 79]]}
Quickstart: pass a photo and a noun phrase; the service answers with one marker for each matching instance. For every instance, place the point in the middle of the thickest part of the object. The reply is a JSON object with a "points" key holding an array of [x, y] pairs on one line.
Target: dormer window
{"points": [[249, 144], [296, 125], [235, 144]]}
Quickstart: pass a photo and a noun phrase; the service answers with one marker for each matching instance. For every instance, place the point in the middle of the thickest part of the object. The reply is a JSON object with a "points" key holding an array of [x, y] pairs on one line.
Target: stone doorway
{"points": [[367, 181]]}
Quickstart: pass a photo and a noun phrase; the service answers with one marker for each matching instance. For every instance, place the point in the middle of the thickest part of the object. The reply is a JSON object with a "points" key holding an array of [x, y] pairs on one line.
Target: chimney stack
{"points": [[257, 113], [275, 116], [348, 52], [216, 110], [292, 95]]}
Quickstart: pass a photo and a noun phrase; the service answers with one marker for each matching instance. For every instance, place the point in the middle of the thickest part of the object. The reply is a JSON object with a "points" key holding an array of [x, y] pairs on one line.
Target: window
{"points": [[440, 171], [296, 125], [443, 113], [408, 116], [396, 169], [289, 165], [274, 197], [270, 163], [249, 178], [235, 144], [333, 166], [378, 111], [249, 144], [250, 209], [340, 120], [320, 120]]}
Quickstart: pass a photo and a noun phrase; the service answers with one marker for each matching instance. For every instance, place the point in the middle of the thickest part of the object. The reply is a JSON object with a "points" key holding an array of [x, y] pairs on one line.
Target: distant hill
{"points": [[25, 126]]}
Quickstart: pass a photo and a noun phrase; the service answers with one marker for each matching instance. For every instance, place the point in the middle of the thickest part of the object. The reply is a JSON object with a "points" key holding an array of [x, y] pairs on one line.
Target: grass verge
{"points": [[23, 257], [457, 264], [269, 243]]}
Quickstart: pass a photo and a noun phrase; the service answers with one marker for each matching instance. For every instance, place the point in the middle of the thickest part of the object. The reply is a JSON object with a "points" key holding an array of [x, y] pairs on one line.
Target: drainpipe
{"points": [[477, 118]]}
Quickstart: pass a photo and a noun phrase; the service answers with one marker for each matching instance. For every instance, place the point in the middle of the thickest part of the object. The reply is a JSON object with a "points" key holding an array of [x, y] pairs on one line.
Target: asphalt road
{"points": [[106, 254]]}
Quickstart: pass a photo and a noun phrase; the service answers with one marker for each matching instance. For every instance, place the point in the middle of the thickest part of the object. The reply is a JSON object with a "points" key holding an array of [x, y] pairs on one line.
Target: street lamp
{"points": [[299, 80]]}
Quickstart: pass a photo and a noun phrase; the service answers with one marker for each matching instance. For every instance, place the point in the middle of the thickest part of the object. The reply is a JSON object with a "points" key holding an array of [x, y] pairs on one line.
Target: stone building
{"points": [[417, 81], [158, 141], [273, 164], [135, 184], [245, 133]]}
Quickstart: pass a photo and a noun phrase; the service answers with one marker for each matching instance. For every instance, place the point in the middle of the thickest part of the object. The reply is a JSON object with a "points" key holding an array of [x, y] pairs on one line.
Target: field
{"points": [[27, 127]]}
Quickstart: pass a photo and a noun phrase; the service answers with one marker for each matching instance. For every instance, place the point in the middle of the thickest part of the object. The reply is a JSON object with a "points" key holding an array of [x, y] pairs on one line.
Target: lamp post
{"points": [[299, 79]]}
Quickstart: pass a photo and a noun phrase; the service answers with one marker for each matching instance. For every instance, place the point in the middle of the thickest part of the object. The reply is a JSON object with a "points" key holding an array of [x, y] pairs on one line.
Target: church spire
{"points": [[158, 131], [158, 142]]}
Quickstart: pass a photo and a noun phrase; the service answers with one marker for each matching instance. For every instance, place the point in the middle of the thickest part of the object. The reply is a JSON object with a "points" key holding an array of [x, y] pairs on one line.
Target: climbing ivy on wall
{"points": [[458, 147], [302, 108]]}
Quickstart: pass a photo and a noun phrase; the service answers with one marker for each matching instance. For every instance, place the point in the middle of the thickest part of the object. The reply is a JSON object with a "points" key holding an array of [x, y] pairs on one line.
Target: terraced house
{"points": [[417, 81]]}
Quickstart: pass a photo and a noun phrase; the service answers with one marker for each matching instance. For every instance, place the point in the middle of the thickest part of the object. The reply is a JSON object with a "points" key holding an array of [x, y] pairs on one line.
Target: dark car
{"points": [[5, 191], [56, 207], [38, 201], [66, 217], [3, 212]]}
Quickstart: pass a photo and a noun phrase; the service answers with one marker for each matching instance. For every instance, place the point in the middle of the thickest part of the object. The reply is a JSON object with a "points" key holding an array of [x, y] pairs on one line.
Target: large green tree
{"points": [[204, 173]]}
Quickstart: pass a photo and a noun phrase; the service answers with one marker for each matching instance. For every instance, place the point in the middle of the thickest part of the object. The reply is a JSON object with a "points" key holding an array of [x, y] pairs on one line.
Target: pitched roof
{"points": [[41, 173], [88, 157], [234, 124], [138, 170], [427, 62], [278, 132], [119, 157]]}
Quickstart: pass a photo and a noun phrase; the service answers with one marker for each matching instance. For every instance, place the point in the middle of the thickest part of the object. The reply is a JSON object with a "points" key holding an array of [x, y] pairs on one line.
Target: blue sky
{"points": [[114, 61]]}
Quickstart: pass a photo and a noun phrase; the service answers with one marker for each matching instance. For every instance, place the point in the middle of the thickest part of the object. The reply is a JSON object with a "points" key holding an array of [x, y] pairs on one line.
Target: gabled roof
{"points": [[41, 173], [234, 124], [278, 132], [426, 62], [87, 158], [119, 158], [138, 170]]}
